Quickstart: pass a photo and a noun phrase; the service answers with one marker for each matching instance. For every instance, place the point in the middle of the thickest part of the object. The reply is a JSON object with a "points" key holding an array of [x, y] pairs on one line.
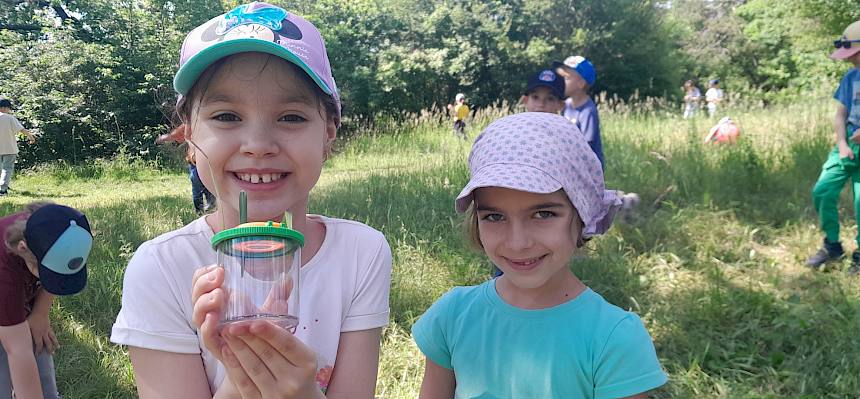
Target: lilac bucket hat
{"points": [[542, 153], [259, 27]]}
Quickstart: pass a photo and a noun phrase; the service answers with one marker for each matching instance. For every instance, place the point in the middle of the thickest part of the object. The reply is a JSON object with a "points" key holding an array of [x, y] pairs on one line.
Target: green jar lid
{"points": [[259, 229]]}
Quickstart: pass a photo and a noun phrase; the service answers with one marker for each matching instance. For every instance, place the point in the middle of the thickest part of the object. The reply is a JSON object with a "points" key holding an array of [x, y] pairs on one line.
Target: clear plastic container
{"points": [[261, 263]]}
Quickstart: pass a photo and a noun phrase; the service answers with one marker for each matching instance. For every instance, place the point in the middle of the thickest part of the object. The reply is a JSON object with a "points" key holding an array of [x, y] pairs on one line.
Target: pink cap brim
{"points": [[843, 53]]}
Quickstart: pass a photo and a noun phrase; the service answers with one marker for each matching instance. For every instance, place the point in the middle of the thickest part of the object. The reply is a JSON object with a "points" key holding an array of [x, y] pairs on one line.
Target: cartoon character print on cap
{"points": [[253, 21]]}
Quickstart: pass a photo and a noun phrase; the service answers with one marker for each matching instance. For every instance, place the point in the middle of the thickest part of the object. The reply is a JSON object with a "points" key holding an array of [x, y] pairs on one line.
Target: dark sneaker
{"points": [[4, 192], [829, 252], [855, 264]]}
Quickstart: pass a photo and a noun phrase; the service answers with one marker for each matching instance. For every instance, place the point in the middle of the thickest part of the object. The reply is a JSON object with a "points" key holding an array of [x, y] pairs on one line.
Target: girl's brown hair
{"points": [[15, 232]]}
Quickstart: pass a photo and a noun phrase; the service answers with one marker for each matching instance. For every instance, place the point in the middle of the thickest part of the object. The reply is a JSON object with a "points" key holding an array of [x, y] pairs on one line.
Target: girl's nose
{"points": [[258, 141], [518, 237]]}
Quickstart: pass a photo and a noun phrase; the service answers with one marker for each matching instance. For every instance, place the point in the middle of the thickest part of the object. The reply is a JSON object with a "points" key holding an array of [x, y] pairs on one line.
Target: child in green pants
{"points": [[844, 161]]}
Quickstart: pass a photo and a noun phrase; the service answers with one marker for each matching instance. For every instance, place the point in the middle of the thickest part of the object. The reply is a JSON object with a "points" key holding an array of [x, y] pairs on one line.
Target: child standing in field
{"points": [[202, 199], [261, 110], [9, 129], [579, 75], [535, 195], [692, 95], [45, 251], [461, 112], [544, 92], [843, 162], [714, 96]]}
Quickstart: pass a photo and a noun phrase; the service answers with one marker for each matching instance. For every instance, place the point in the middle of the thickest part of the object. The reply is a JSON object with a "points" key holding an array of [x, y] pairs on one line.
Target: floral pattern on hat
{"points": [[541, 153]]}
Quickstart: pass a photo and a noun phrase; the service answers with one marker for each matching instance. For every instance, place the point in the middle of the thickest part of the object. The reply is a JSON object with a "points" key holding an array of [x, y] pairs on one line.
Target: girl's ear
{"points": [[22, 247], [330, 135]]}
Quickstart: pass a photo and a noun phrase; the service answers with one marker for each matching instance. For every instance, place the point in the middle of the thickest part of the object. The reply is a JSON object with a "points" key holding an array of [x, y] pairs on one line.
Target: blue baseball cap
{"points": [[581, 65], [549, 79], [61, 240]]}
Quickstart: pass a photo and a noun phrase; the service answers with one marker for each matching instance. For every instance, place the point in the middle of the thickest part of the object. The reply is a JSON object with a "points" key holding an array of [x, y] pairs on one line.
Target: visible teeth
{"points": [[260, 178]]}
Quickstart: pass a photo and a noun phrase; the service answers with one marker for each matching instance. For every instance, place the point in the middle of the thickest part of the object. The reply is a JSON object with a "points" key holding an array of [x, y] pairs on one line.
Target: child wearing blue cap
{"points": [[45, 254], [579, 75], [544, 92]]}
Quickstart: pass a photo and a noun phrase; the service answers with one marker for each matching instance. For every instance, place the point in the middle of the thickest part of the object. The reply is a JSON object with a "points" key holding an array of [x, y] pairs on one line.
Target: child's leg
{"points": [[210, 199], [5, 376], [855, 185], [196, 188], [47, 375], [825, 194], [7, 169]]}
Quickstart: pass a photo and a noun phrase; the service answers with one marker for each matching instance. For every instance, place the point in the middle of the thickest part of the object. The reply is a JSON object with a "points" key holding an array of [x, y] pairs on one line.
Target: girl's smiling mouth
{"points": [[525, 264]]}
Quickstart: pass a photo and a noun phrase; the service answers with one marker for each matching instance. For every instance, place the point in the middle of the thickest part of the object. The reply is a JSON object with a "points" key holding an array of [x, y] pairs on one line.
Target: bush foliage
{"points": [[94, 76]]}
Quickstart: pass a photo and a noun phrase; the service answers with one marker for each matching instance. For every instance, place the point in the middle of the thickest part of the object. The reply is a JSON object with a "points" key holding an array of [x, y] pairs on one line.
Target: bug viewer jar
{"points": [[262, 262]]}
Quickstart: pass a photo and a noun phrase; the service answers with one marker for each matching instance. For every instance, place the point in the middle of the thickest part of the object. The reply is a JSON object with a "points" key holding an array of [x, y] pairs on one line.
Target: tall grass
{"points": [[712, 262]]}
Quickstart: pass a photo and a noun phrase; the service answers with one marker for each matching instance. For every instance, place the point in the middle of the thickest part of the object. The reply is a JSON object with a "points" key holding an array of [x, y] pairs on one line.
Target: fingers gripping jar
{"points": [[262, 262]]}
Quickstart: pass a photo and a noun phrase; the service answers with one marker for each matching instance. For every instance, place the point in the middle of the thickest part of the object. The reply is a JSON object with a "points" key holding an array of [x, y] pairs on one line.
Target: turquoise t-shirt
{"points": [[583, 348]]}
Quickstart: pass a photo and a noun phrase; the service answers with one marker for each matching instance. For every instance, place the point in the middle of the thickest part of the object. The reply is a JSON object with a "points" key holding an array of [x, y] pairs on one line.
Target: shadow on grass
{"points": [[752, 343]]}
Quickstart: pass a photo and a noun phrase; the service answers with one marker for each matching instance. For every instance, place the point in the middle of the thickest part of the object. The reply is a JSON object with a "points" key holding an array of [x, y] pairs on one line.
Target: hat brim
{"points": [[843, 53], [191, 70], [549, 86], [516, 177], [62, 284]]}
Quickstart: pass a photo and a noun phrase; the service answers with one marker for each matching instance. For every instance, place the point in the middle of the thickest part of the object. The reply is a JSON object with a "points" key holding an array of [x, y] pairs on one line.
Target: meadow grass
{"points": [[712, 262]]}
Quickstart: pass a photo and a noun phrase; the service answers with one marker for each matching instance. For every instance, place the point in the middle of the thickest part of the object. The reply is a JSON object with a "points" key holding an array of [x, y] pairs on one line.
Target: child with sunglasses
{"points": [[844, 161]]}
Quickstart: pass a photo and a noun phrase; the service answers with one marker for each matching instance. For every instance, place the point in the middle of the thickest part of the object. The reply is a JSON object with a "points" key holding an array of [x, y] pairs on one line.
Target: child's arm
{"points": [[18, 343], [40, 323], [160, 374], [31, 138], [439, 382], [356, 366], [839, 128]]}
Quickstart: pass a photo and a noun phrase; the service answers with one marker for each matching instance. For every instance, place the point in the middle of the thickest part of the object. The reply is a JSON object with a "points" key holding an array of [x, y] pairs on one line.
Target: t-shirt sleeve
{"points": [[369, 307], [628, 364], [12, 306], [152, 315], [16, 125], [591, 131], [843, 93], [430, 332]]}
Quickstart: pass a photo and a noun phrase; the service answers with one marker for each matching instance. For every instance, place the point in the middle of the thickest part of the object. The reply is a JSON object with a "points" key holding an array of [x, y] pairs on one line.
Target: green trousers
{"points": [[825, 195]]}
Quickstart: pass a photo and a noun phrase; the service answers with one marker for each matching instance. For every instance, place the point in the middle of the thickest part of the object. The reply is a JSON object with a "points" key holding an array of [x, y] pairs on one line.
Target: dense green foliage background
{"points": [[94, 76]]}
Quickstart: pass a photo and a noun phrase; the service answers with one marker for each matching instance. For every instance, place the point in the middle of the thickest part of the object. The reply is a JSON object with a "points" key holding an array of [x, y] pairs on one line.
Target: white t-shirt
{"points": [[713, 94], [344, 287], [9, 127]]}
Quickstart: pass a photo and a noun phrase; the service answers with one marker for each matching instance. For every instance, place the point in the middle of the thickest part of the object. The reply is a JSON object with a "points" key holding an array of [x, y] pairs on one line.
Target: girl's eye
{"points": [[226, 117], [292, 118], [544, 214], [493, 217]]}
